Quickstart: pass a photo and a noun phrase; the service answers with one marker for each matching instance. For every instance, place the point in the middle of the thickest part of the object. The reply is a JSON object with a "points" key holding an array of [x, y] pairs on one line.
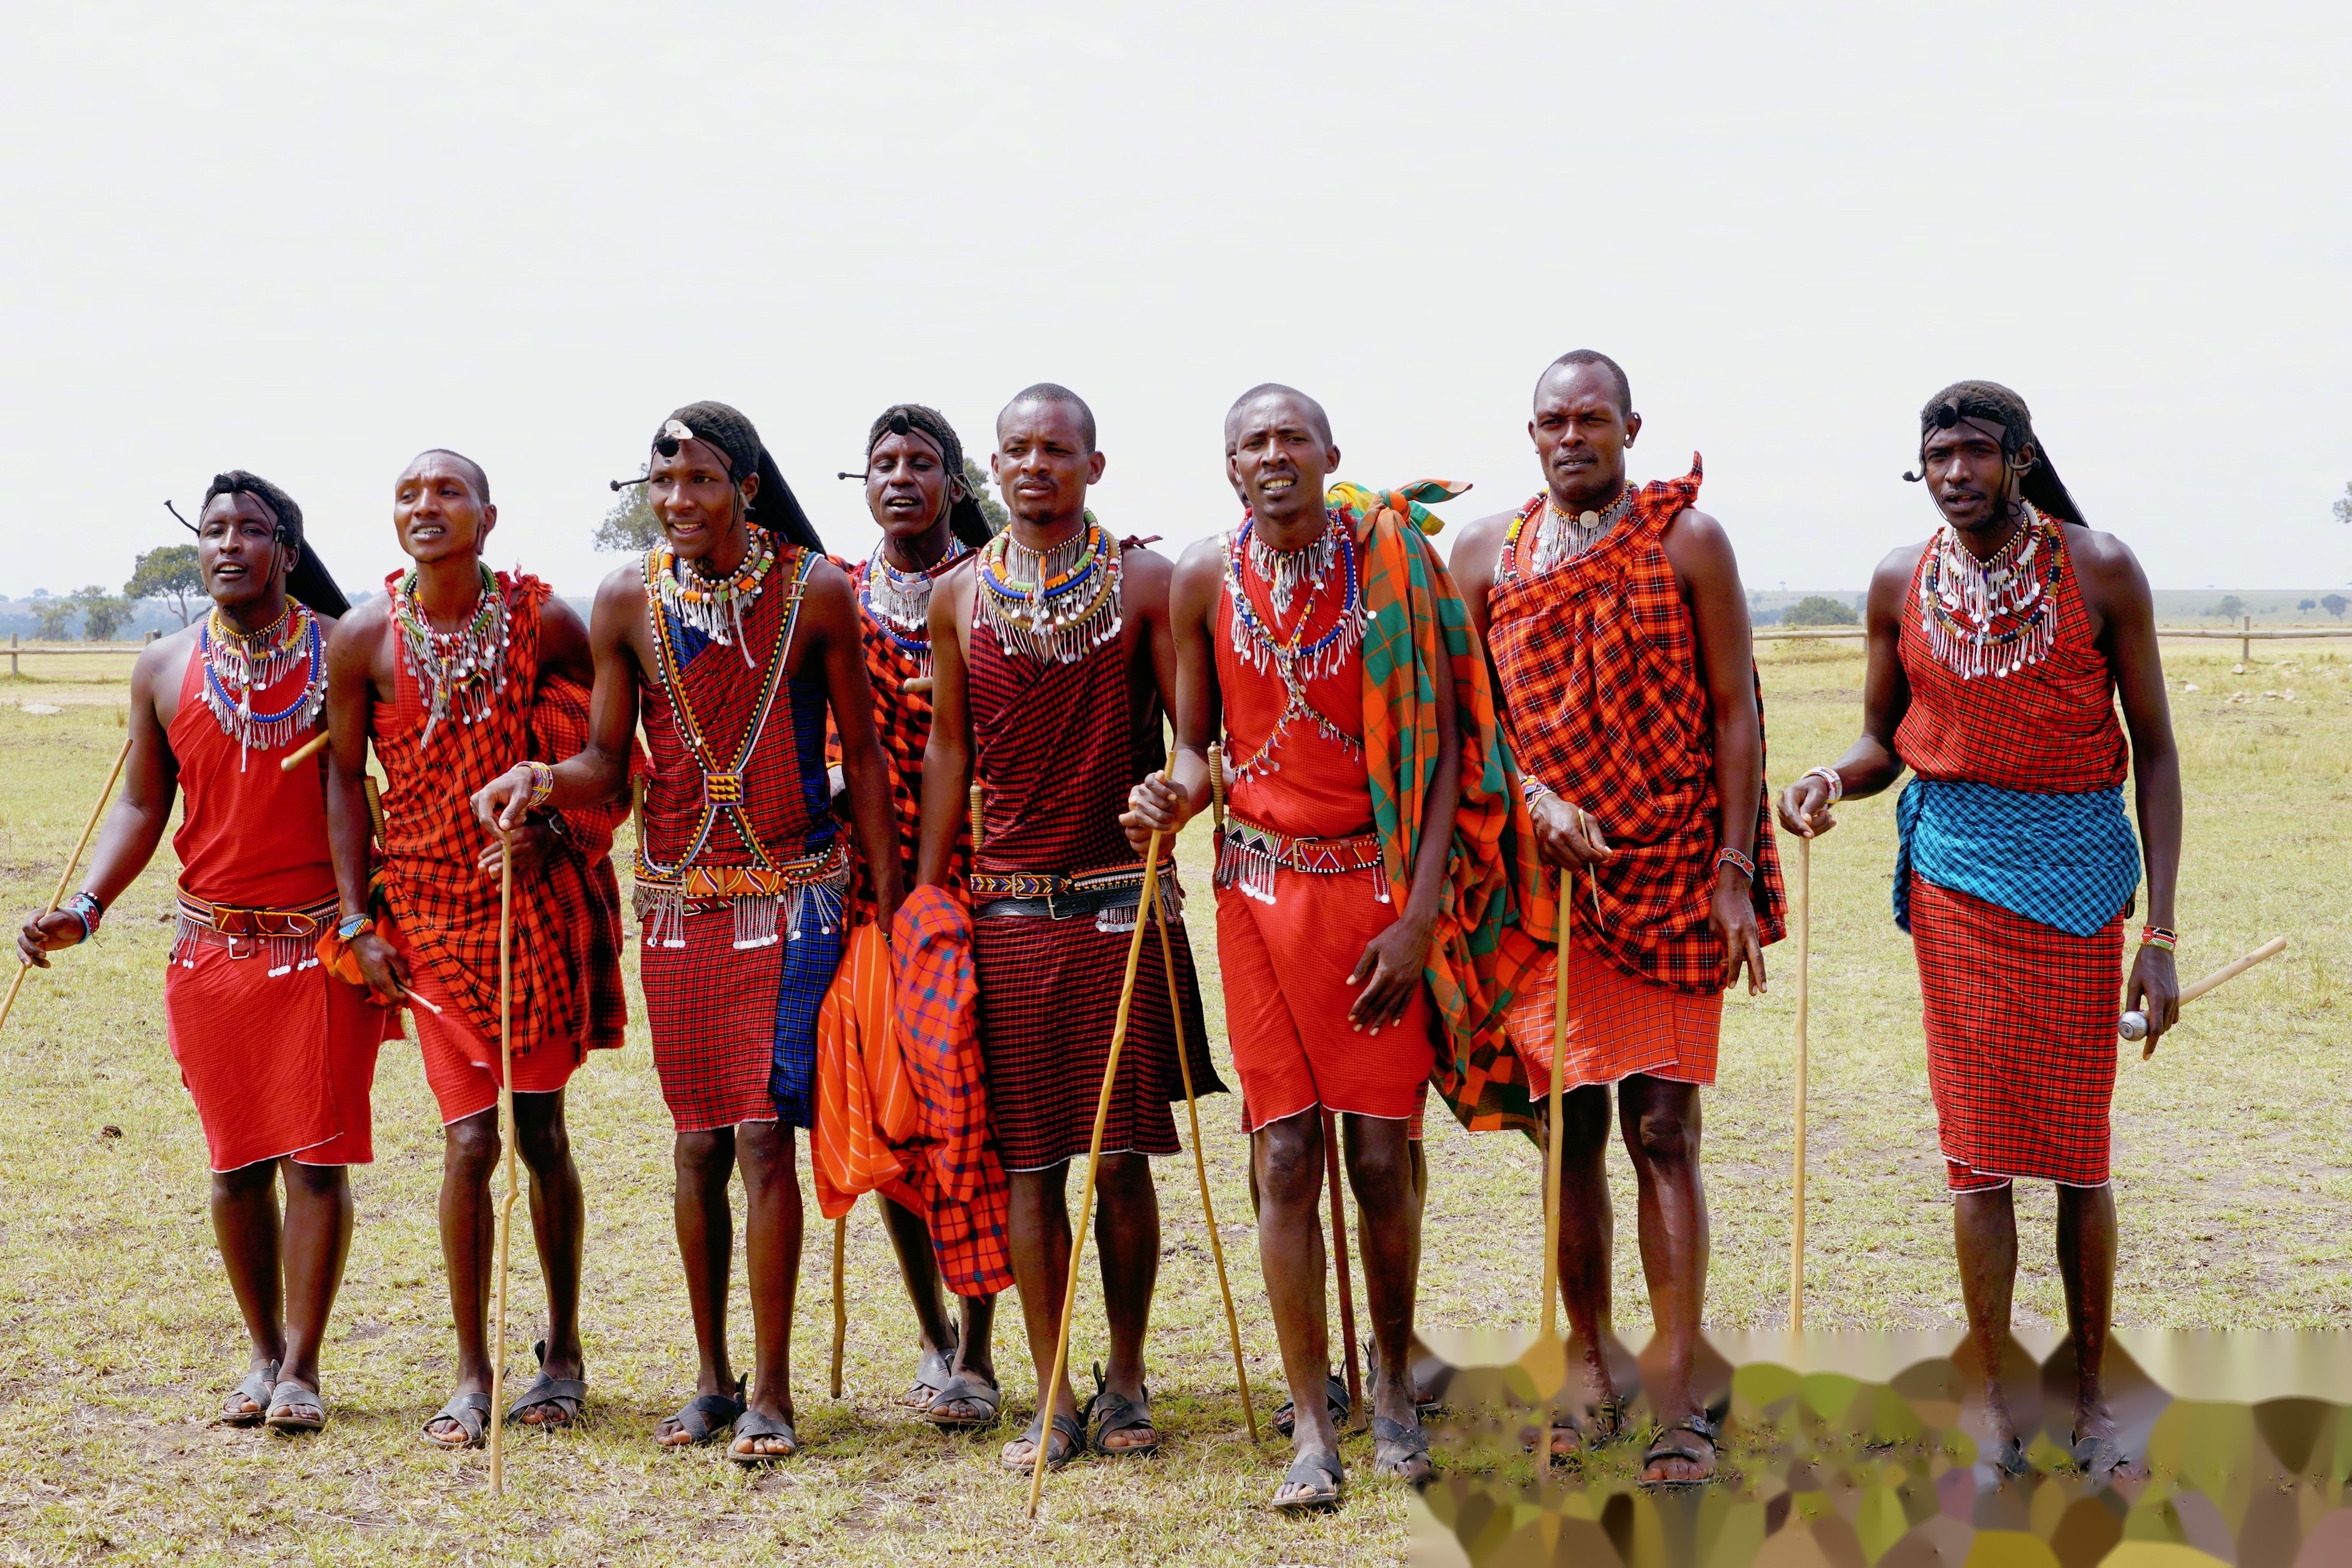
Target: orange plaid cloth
{"points": [[865, 1101]]}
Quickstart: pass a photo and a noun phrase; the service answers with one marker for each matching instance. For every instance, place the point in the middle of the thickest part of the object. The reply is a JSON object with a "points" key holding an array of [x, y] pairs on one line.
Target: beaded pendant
{"points": [[238, 664], [1056, 605], [459, 673], [713, 606], [1295, 661], [1559, 538], [1991, 617]]}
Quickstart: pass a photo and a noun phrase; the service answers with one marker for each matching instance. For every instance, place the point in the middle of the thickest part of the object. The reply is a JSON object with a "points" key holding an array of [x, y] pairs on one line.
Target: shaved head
{"points": [[1576, 359], [473, 474], [1312, 409], [1051, 391]]}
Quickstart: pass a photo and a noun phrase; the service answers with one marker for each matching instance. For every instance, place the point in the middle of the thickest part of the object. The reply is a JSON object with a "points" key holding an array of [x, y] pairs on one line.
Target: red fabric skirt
{"points": [[2021, 1025], [276, 1066], [1287, 1017], [1617, 1026], [1048, 999], [711, 1008], [461, 1066]]}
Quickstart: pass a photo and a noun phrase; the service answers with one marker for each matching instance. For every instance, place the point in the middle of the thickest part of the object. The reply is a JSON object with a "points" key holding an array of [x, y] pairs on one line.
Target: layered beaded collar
{"points": [[900, 601], [713, 606], [1991, 617], [462, 672], [1053, 605], [238, 664]]}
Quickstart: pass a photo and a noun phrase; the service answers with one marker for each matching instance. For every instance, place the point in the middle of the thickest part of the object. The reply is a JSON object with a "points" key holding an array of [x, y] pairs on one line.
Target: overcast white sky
{"points": [[310, 240]]}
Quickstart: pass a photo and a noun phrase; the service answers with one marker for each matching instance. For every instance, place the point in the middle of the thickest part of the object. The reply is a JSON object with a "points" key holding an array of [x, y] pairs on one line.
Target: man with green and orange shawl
{"points": [[1364, 876]]}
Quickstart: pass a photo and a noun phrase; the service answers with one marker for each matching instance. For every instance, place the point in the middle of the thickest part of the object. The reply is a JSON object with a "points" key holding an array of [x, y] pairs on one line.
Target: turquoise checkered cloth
{"points": [[2068, 861]]}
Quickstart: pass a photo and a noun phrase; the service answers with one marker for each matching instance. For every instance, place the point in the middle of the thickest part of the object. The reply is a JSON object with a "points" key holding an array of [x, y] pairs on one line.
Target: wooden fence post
{"points": [[2245, 644]]}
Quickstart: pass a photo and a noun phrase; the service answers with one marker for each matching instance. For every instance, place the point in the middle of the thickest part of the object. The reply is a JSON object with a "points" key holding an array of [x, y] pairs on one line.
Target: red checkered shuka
{"points": [[1058, 747], [567, 981], [954, 1178], [902, 719], [2049, 728], [1605, 703]]}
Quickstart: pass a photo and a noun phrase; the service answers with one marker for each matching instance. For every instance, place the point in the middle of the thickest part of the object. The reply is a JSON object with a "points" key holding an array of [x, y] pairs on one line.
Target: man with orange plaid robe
{"points": [[1619, 637], [455, 675]]}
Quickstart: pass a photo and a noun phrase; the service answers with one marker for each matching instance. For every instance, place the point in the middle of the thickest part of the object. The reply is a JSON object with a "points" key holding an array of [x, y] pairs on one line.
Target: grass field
{"points": [[2231, 1165]]}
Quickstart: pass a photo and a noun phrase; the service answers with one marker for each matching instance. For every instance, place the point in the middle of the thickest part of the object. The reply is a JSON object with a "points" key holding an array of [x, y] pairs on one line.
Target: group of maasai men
{"points": [[892, 826]]}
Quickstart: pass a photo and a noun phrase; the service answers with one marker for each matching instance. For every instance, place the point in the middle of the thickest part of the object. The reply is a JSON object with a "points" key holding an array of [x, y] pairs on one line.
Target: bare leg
{"points": [[469, 1152], [967, 1349], [1388, 1237], [772, 1225], [1038, 1232], [1984, 1234], [558, 1223], [1661, 1122], [245, 1227], [1127, 1235], [318, 1240], [705, 1244], [2086, 1261], [1588, 1241], [1286, 1174]]}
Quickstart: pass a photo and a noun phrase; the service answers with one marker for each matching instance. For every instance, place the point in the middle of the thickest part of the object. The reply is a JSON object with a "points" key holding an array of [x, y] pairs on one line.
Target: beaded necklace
{"points": [[713, 605], [238, 664], [900, 601], [1295, 660], [461, 672], [1560, 537], [1964, 602], [1052, 605]]}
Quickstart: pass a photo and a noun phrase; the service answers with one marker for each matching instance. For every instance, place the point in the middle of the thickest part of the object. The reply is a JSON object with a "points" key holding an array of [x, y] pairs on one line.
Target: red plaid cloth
{"points": [[1057, 752], [1603, 703], [712, 1011], [567, 916], [903, 720], [2049, 728], [955, 1178], [2021, 1023]]}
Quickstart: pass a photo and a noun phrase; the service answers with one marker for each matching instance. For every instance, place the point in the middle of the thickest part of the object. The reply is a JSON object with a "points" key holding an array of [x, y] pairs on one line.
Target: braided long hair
{"points": [[775, 508], [965, 519], [309, 580], [1989, 403]]}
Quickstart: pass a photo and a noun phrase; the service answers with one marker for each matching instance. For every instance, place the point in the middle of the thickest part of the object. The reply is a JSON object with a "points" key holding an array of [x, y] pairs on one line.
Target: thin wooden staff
{"points": [[1550, 1343], [840, 1304], [1342, 1265], [303, 753], [916, 686], [1804, 1015], [2134, 1026], [1201, 1170], [506, 1136], [25, 967], [1050, 1393]]}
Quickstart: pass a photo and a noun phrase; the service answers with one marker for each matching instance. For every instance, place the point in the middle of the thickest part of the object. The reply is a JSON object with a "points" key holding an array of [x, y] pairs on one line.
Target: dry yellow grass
{"points": [[2232, 1170]]}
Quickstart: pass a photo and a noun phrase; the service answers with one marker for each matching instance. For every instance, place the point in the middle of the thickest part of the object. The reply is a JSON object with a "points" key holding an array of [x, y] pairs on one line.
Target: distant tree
{"points": [[102, 614], [2344, 505], [168, 572], [2336, 605], [976, 481], [1819, 610], [2306, 603], [51, 616], [2228, 607], [630, 526]]}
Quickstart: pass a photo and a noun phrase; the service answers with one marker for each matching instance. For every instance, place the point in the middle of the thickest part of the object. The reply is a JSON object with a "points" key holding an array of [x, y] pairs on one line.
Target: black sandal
{"points": [[1660, 1450], [2098, 1457], [1335, 1394], [566, 1394], [256, 1390], [1066, 1428], [294, 1408], [706, 1416], [1108, 1413], [1320, 1473], [750, 1427], [965, 1388], [1410, 1442], [470, 1412], [931, 1375]]}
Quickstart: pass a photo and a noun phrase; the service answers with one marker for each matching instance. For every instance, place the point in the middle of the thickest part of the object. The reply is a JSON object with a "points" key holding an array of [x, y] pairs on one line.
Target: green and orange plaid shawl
{"points": [[1482, 956]]}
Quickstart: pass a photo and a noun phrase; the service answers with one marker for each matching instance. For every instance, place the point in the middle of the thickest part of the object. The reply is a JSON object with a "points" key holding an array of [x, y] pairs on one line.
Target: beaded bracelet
{"points": [[1532, 790], [542, 784], [1835, 780], [2158, 936], [349, 927], [1727, 855], [84, 907]]}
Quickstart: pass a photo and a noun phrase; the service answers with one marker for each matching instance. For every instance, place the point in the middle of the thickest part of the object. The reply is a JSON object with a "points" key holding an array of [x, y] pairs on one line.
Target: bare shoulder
{"points": [[1203, 562], [828, 585], [1144, 577], [1696, 534], [1897, 566], [1482, 540], [623, 589], [360, 623], [556, 616], [163, 658], [2101, 558]]}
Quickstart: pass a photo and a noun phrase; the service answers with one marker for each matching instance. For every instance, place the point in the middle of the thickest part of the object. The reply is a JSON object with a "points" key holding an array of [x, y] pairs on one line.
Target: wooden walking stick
{"points": [[1549, 1362], [1804, 1009], [2134, 1026], [1340, 1264], [840, 1304], [506, 1136], [1050, 1393], [303, 753], [1201, 1169], [72, 860]]}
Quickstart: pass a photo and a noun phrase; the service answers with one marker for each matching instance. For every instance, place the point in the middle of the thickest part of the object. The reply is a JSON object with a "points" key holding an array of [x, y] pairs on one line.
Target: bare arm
{"points": [[947, 756], [1707, 572], [1870, 764], [134, 825], [1164, 803], [564, 646], [829, 611], [354, 653]]}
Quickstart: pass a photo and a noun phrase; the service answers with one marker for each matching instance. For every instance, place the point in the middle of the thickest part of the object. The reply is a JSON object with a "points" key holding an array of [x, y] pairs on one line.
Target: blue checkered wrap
{"points": [[2068, 861], [812, 954]]}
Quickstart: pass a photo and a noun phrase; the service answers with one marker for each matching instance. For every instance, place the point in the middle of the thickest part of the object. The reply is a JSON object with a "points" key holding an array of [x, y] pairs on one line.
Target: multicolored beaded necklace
{"points": [[1296, 660], [1066, 604], [900, 601], [713, 605], [238, 664], [1560, 537], [1991, 617], [461, 672]]}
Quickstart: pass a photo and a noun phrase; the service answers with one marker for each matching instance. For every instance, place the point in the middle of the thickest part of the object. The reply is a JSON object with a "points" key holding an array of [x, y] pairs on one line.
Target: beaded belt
{"points": [[756, 894], [1112, 896], [286, 933], [1250, 853]]}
